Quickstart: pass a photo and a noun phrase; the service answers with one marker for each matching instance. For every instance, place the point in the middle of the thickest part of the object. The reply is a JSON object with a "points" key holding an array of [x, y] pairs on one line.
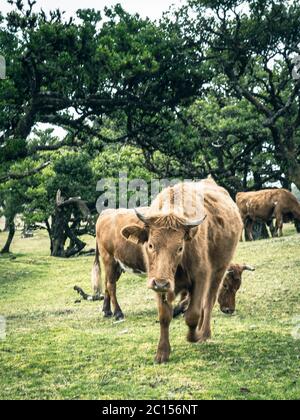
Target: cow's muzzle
{"points": [[160, 286], [228, 311]]}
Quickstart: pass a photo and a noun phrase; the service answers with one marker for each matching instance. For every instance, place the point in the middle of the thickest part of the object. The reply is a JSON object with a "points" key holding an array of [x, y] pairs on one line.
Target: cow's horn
{"points": [[248, 268], [142, 217], [192, 224]]}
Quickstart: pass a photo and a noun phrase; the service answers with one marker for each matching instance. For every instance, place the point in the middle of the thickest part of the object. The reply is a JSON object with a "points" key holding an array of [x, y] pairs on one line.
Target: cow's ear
{"points": [[135, 234], [248, 268], [191, 233]]}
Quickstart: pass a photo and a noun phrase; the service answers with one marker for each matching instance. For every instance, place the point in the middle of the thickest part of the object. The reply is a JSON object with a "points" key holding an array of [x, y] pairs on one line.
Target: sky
{"points": [[150, 8]]}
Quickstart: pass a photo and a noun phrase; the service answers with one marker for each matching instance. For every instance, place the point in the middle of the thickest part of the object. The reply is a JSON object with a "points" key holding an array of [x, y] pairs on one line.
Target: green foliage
{"points": [[121, 159], [253, 45]]}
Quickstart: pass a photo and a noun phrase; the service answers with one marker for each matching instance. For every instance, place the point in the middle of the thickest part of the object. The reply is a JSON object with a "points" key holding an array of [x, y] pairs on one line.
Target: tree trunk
{"points": [[58, 236], [6, 225], [297, 225], [294, 169], [76, 245], [286, 154], [11, 234]]}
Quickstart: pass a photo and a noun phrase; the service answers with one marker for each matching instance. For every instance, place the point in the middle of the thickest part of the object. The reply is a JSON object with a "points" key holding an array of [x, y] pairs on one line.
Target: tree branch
{"points": [[16, 176]]}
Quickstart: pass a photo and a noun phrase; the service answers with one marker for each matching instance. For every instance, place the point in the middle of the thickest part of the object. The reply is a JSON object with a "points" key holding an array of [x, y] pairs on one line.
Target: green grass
{"points": [[58, 349]]}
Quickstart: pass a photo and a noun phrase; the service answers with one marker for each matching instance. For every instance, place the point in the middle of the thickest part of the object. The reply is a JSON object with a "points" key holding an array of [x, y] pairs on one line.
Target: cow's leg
{"points": [[208, 305], [279, 223], [272, 228], [106, 304], [112, 289], [112, 275], [249, 228], [165, 311], [193, 313], [244, 220]]}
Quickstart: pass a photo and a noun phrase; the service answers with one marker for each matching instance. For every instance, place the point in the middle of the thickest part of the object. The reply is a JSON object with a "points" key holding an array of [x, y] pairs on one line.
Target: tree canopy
{"points": [[211, 88]]}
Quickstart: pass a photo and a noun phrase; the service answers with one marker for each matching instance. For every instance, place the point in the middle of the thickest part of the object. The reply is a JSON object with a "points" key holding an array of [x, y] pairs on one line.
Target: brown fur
{"points": [[114, 249], [230, 286], [193, 259], [267, 205]]}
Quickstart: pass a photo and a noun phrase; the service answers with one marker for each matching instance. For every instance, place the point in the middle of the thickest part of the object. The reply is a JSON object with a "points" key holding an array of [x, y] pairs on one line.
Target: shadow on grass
{"points": [[40, 315], [257, 350]]}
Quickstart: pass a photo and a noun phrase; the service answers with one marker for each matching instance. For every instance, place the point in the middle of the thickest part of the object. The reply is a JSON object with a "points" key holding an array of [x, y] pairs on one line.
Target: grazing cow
{"points": [[267, 205], [227, 292], [230, 286], [182, 253]]}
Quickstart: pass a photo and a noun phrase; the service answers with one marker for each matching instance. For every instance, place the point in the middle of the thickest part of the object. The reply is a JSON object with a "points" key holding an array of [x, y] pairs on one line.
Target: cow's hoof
{"points": [[119, 316], [107, 314], [193, 336], [162, 357], [203, 338]]}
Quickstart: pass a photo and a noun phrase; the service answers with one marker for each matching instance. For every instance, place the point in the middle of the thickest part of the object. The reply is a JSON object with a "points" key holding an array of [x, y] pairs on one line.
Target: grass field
{"points": [[57, 349]]}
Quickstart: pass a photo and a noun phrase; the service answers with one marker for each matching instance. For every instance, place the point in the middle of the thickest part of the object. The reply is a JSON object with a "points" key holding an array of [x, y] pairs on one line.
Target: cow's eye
{"points": [[225, 286], [180, 250], [151, 247]]}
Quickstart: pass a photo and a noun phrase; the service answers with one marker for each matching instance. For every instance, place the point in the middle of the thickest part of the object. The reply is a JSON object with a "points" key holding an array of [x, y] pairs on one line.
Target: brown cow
{"points": [[182, 253], [266, 205], [227, 292], [230, 286], [118, 256]]}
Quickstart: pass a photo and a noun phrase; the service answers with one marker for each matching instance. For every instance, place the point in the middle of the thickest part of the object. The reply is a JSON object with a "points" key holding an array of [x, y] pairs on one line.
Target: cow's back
{"points": [[223, 228], [261, 204], [110, 241]]}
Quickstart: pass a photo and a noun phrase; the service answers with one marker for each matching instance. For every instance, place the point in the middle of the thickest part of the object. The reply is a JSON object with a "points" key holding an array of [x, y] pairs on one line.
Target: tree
{"points": [[77, 74], [253, 43], [12, 202], [56, 198]]}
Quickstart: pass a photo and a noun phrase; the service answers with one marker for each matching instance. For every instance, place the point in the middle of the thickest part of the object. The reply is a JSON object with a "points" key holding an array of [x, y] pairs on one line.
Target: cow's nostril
{"points": [[228, 311], [161, 284]]}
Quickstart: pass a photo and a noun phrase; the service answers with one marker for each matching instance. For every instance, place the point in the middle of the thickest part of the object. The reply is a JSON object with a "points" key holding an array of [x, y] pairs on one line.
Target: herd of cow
{"points": [[182, 256]]}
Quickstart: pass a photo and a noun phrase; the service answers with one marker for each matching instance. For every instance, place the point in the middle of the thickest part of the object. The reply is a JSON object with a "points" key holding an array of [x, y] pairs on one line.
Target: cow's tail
{"points": [[96, 274]]}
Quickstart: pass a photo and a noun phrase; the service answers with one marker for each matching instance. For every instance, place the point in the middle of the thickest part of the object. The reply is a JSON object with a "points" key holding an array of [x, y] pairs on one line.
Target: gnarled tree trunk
{"points": [[6, 225], [60, 230], [11, 234]]}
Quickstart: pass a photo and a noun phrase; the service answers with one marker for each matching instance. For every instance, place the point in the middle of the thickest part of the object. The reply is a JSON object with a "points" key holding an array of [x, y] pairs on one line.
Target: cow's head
{"points": [[164, 239], [230, 286]]}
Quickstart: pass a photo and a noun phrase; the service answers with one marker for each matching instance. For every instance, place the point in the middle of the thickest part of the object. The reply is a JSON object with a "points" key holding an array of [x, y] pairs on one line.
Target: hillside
{"points": [[58, 349]]}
